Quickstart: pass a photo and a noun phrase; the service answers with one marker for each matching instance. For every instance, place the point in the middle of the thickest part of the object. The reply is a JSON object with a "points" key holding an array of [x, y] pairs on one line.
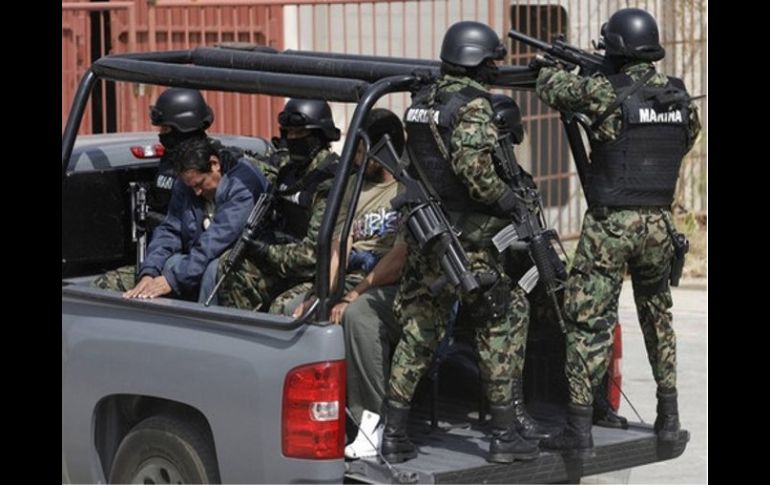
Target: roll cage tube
{"points": [[169, 69], [334, 201]]}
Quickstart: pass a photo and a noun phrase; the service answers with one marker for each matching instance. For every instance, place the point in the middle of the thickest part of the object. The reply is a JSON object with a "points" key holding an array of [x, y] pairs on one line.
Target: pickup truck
{"points": [[162, 391]]}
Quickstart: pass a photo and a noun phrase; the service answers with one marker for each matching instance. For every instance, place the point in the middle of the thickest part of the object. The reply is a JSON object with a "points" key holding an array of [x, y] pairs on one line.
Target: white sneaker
{"points": [[371, 428]]}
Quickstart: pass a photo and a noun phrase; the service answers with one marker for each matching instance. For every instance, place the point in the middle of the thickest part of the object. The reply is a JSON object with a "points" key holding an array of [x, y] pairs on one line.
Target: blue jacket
{"points": [[182, 229]]}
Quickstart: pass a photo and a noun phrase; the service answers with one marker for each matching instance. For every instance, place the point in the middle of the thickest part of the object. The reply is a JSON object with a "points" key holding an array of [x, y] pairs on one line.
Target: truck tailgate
{"points": [[456, 451]]}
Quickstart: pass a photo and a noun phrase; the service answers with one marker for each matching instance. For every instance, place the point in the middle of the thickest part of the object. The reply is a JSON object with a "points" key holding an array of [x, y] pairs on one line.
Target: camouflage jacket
{"points": [[297, 260], [473, 141], [591, 95]]}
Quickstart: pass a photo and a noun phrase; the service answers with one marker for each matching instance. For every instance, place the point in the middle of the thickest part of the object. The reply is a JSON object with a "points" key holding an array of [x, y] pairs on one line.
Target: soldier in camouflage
{"points": [[639, 137], [284, 255], [451, 134]]}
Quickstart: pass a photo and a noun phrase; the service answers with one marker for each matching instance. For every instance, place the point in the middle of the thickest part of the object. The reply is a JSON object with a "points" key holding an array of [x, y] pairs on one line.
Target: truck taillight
{"points": [[313, 422], [148, 151], [614, 371]]}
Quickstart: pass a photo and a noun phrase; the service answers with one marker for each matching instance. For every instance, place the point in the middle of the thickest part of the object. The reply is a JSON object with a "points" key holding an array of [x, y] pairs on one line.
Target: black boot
{"points": [[604, 415], [576, 438], [667, 423], [396, 447], [506, 444], [526, 426]]}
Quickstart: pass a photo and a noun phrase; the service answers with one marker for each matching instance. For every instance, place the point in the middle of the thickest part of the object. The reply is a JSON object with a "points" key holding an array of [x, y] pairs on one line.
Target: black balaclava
{"points": [[303, 149]]}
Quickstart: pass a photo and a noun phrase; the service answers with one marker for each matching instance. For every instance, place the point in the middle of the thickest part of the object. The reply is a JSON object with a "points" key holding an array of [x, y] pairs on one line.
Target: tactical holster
{"points": [[681, 248]]}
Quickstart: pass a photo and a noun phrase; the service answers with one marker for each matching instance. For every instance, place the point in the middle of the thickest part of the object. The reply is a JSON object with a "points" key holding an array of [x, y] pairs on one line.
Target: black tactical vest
{"points": [[296, 191], [422, 144], [641, 166], [159, 193]]}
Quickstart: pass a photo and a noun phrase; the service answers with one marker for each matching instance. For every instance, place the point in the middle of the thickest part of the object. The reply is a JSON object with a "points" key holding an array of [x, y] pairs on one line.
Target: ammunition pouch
{"points": [[493, 301], [506, 203]]}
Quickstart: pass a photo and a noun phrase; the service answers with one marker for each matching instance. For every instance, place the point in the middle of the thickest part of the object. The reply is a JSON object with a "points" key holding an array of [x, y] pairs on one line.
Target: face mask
{"points": [[486, 73], [173, 138], [303, 149]]}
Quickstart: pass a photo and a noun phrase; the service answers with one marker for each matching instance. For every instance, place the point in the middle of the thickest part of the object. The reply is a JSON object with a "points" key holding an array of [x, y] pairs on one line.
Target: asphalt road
{"points": [[691, 324]]}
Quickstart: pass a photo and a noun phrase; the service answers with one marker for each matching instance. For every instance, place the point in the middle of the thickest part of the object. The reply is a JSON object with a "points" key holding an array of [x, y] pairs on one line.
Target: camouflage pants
{"points": [[423, 318], [519, 313], [251, 287], [637, 239], [371, 333], [121, 279]]}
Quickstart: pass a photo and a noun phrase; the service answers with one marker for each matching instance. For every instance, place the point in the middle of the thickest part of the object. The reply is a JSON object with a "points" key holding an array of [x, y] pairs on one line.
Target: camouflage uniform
{"points": [[255, 284], [424, 316], [633, 236], [121, 279]]}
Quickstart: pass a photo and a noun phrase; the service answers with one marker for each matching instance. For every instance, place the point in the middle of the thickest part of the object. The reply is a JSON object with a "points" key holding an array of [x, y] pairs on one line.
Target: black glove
{"points": [[256, 249], [540, 62], [279, 143]]}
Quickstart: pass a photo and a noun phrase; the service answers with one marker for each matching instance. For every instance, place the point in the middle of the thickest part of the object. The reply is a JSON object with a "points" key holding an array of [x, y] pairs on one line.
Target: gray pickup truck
{"points": [[167, 391]]}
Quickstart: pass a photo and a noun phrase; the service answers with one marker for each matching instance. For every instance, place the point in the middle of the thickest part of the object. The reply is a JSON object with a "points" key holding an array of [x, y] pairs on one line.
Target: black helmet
{"points": [[508, 117], [183, 109], [310, 114], [380, 121], [469, 44], [632, 33]]}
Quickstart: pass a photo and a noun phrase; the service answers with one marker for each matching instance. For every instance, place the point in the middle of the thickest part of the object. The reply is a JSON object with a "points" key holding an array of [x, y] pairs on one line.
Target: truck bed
{"points": [[456, 451]]}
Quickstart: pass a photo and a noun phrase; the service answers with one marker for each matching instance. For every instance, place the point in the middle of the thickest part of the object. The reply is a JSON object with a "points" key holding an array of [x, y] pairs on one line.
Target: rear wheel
{"points": [[165, 449]]}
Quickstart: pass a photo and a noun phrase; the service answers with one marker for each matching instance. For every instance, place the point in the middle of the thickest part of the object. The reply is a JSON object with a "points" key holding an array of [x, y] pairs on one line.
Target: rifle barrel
{"points": [[516, 35]]}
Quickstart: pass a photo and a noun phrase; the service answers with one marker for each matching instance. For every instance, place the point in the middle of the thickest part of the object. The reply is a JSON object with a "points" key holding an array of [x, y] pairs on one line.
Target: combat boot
{"points": [[576, 438], [507, 444], [526, 426], [667, 423], [604, 415], [396, 447]]}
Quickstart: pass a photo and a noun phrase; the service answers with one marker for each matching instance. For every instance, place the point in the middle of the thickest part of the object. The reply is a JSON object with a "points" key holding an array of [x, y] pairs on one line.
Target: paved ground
{"points": [[691, 324]]}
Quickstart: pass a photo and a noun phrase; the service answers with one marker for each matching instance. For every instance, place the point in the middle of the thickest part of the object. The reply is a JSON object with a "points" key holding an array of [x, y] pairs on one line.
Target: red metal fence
{"points": [[388, 27]]}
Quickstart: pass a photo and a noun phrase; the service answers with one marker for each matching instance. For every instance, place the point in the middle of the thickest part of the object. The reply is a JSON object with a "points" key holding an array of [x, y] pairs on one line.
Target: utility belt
{"points": [[602, 212], [678, 240]]}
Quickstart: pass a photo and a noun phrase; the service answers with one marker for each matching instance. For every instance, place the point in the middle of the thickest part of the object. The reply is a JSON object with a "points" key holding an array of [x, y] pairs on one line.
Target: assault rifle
{"points": [[139, 212], [235, 257], [588, 62], [427, 222], [529, 230]]}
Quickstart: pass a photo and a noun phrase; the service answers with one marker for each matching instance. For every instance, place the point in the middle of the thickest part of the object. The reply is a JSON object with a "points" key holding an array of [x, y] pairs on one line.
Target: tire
{"points": [[164, 449]]}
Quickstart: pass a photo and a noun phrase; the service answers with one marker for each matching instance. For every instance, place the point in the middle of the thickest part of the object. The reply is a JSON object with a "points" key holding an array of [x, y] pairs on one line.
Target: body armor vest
{"points": [[296, 192], [641, 166], [159, 193], [424, 147]]}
